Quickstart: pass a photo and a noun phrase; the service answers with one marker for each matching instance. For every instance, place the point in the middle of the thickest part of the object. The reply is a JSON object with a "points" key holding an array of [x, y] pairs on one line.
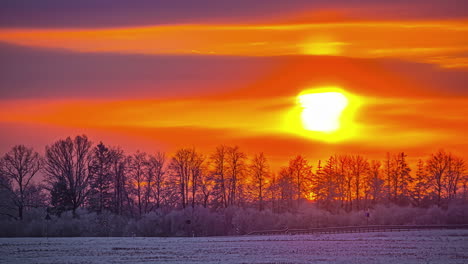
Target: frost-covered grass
{"points": [[435, 246]]}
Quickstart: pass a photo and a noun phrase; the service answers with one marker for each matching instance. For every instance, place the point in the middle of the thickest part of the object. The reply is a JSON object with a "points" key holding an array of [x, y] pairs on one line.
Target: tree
{"points": [[437, 166], [398, 177], [207, 185], [301, 171], [402, 179], [389, 171], [67, 171], [420, 184], [455, 173], [445, 172], [118, 169], [7, 207], [137, 170], [157, 172], [235, 168], [286, 188], [359, 167], [197, 172], [374, 185], [341, 179], [100, 170], [347, 180], [325, 187], [61, 198], [18, 167], [219, 164], [259, 170], [186, 165]]}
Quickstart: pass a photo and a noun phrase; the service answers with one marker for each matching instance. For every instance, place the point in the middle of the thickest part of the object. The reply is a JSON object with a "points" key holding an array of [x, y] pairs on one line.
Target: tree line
{"points": [[78, 174]]}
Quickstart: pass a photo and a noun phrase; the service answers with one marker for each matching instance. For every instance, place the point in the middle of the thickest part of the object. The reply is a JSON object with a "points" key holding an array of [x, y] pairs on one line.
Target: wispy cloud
{"points": [[440, 42]]}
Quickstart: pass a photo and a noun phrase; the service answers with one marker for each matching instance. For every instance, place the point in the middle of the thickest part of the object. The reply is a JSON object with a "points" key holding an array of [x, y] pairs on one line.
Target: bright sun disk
{"points": [[322, 111]]}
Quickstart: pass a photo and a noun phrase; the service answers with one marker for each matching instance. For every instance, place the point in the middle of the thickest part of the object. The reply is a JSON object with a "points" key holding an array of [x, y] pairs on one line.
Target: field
{"points": [[435, 246]]}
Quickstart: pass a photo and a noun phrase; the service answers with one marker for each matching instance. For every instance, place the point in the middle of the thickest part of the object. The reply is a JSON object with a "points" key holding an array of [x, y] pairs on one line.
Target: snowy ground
{"points": [[437, 246]]}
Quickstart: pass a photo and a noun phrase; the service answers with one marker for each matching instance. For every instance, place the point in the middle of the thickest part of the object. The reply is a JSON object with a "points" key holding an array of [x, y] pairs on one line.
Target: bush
{"points": [[230, 221]]}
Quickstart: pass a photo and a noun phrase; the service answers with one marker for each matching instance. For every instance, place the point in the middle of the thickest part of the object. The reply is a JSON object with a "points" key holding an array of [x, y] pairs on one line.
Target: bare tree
{"points": [[389, 171], [197, 172], [137, 169], [260, 171], [286, 189], [219, 163], [67, 165], [348, 179], [118, 171], [156, 168], [186, 164], [18, 167], [359, 167], [455, 173], [398, 177], [236, 167], [207, 185], [437, 166], [301, 171], [341, 179], [374, 182]]}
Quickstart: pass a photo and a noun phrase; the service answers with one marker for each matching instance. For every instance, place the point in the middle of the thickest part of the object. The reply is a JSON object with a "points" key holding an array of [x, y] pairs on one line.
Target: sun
{"points": [[322, 110], [324, 113]]}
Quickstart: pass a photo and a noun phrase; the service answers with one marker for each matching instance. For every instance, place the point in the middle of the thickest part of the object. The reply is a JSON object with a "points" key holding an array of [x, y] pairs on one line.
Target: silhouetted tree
{"points": [[156, 172], [207, 185], [374, 185], [61, 197], [228, 185], [301, 171], [348, 179], [445, 171], [186, 166], [18, 167], [286, 190], [236, 166], [437, 167], [118, 169], [325, 186], [455, 173], [359, 167], [420, 184], [398, 178], [259, 169], [137, 171], [219, 164], [100, 170], [67, 169]]}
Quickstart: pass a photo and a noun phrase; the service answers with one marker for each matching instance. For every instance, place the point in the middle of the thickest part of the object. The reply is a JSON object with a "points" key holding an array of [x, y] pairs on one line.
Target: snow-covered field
{"points": [[437, 246]]}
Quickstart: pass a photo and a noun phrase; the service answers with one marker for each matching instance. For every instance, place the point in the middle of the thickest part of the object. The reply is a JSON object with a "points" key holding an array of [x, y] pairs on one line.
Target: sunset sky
{"points": [[170, 74]]}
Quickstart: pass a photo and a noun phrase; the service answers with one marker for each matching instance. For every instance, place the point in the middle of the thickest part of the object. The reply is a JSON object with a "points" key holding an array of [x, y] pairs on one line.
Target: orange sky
{"points": [[406, 79], [440, 42]]}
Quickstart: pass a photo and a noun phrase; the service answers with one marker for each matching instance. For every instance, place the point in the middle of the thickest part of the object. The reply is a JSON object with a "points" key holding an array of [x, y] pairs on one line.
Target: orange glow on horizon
{"points": [[391, 85]]}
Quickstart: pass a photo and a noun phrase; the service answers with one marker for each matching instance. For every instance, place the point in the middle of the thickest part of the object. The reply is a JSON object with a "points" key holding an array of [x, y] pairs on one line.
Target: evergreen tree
{"points": [[100, 181]]}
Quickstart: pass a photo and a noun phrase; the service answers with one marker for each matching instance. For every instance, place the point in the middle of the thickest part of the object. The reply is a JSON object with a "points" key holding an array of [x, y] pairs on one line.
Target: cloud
{"points": [[428, 41], [47, 73], [118, 13], [43, 73]]}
